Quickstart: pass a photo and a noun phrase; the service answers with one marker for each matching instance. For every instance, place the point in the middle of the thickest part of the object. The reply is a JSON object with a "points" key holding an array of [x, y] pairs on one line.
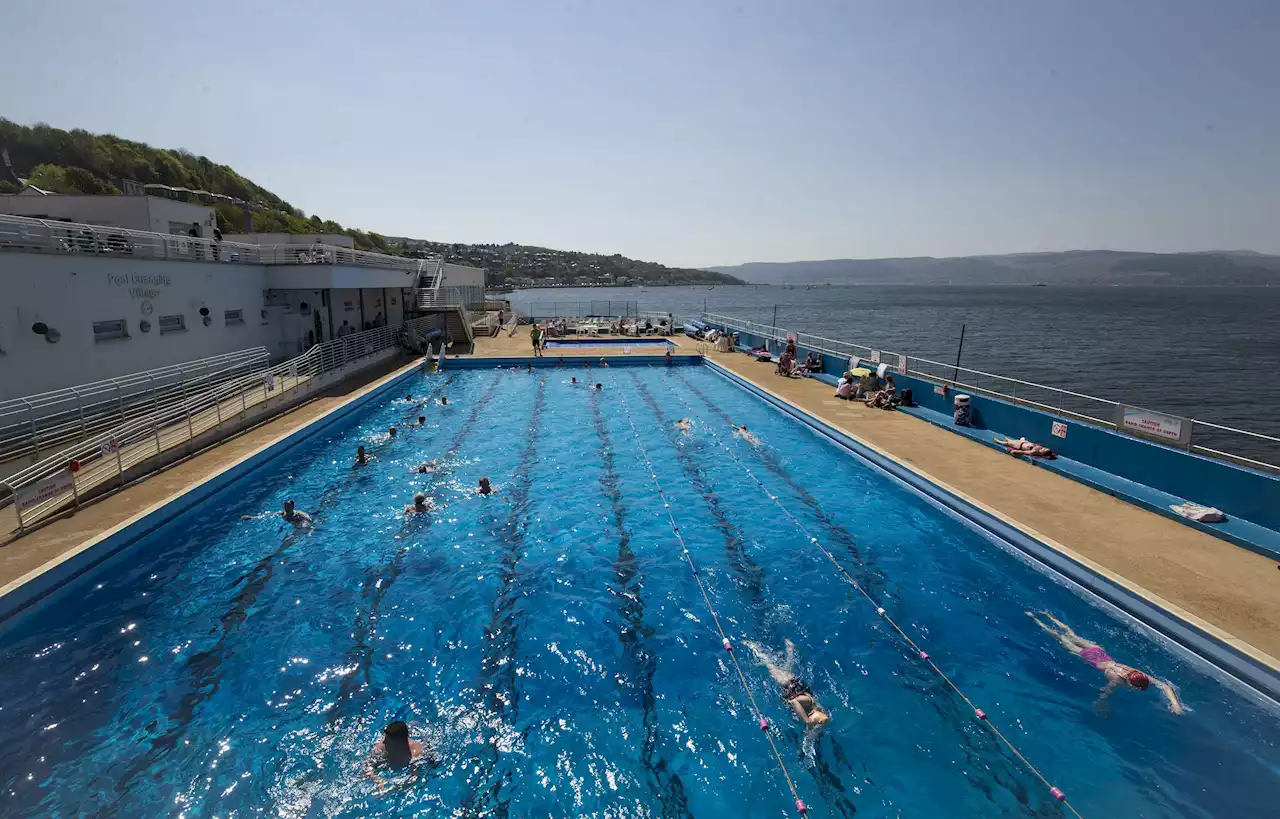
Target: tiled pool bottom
{"points": [[554, 647]]}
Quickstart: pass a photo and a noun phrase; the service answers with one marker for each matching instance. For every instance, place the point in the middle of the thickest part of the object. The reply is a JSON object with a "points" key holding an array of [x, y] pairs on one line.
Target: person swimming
{"points": [[427, 466], [444, 400], [1024, 447], [684, 425], [529, 368], [598, 387], [420, 504], [362, 457], [573, 379], [395, 750], [391, 433], [604, 363], [745, 434], [297, 517], [484, 488], [408, 397], [795, 692], [1096, 657]]}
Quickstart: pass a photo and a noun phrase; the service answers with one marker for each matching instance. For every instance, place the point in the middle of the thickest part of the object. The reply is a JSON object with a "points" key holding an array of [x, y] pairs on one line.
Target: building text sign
{"points": [[1155, 425]]}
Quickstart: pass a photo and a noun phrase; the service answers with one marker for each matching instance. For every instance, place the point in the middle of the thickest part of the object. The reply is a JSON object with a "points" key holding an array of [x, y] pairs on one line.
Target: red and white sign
{"points": [[939, 389], [902, 364], [109, 447], [1059, 429], [37, 493], [1153, 425]]}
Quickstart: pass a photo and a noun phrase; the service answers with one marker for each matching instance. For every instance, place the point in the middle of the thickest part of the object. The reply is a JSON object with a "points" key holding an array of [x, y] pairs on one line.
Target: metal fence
{"points": [[52, 484], [29, 235], [36, 423], [540, 310], [1241, 446]]}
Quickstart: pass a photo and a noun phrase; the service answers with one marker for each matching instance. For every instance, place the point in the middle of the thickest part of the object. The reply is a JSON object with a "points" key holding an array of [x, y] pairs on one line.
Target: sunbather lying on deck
{"points": [[1024, 447]]}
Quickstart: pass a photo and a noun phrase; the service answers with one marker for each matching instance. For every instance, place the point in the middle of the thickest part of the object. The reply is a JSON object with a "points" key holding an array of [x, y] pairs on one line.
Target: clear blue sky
{"points": [[700, 132]]}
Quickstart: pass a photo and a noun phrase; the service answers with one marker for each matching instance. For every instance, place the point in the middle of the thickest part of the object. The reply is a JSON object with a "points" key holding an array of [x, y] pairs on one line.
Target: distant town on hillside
{"points": [[44, 159]]}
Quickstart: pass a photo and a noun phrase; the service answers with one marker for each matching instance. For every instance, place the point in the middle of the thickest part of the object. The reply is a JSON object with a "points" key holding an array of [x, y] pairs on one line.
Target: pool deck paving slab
{"points": [[1226, 590]]}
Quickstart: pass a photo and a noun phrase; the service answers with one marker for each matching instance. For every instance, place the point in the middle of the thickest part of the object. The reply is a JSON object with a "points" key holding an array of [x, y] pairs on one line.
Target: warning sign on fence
{"points": [[46, 490]]}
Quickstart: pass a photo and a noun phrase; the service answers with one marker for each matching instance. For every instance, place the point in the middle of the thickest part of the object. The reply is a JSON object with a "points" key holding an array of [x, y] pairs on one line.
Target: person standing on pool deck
{"points": [[795, 693], [535, 335], [1097, 657]]}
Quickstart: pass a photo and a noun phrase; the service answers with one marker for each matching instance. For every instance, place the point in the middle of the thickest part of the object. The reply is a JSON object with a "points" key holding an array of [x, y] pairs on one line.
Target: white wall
{"points": [[337, 239], [346, 307], [373, 304], [116, 211], [132, 212], [161, 212], [69, 294], [461, 275]]}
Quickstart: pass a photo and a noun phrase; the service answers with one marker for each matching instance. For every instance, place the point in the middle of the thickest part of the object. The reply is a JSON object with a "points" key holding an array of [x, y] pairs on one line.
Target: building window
{"points": [[230, 317], [108, 330], [173, 324]]}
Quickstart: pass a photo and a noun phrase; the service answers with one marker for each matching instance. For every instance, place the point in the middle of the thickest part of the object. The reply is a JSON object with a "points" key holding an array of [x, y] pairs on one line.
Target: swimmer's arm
{"points": [[799, 708], [370, 761], [1100, 704], [1175, 704]]}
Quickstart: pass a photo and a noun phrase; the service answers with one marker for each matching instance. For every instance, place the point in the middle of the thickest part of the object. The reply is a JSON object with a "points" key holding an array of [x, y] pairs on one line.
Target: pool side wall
{"points": [[1240, 665], [1237, 490]]}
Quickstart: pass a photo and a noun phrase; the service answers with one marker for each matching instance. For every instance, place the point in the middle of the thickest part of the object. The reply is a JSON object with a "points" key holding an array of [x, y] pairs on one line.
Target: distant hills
{"points": [[1229, 267], [78, 162]]}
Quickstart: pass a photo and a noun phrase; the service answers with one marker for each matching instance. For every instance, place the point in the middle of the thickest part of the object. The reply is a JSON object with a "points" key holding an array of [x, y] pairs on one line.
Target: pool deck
{"points": [[1226, 590], [1223, 588]]}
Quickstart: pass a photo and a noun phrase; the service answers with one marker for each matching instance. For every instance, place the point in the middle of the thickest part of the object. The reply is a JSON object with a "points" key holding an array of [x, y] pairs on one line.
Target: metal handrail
{"points": [[952, 374], [26, 234], [33, 423], [109, 454]]}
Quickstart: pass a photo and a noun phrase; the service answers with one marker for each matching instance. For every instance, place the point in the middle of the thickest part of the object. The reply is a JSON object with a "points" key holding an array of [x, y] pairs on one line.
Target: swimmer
{"points": [[362, 457], [573, 379], [444, 400], [684, 425], [746, 436], [586, 366], [408, 397], [1097, 657], [598, 387], [420, 504], [604, 363], [484, 488], [529, 369], [394, 750], [667, 358], [297, 517], [391, 433], [422, 420], [429, 466], [795, 693], [1024, 447]]}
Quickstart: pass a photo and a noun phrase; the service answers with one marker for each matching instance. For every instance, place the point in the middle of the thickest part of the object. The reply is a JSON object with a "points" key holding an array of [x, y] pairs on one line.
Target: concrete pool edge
{"points": [[1237, 658], [29, 589]]}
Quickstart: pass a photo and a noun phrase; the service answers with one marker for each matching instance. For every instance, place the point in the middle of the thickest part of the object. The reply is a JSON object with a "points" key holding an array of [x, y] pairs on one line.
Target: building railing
{"points": [[602, 308], [21, 233], [1241, 446], [37, 423], [470, 299], [53, 484]]}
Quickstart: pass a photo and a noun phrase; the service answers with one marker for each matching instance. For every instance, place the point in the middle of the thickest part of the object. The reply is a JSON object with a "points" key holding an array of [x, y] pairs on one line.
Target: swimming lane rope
{"points": [[706, 597], [1054, 791]]}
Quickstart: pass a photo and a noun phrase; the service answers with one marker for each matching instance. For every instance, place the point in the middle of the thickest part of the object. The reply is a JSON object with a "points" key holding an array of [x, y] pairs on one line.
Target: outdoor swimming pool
{"points": [[608, 342], [554, 646]]}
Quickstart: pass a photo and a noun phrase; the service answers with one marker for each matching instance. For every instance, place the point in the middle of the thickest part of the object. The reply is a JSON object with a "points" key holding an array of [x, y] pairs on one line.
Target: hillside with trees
{"points": [[78, 162]]}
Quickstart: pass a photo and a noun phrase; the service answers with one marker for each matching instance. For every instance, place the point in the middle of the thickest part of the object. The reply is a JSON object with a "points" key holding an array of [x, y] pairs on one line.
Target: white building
{"points": [[79, 304], [150, 213]]}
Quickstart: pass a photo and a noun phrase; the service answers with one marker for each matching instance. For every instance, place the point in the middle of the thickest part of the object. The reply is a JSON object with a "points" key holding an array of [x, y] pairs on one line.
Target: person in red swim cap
{"points": [[1096, 656]]}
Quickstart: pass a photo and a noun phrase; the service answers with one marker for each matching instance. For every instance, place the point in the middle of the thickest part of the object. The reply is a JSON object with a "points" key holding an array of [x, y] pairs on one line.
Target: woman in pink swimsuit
{"points": [[1096, 656]]}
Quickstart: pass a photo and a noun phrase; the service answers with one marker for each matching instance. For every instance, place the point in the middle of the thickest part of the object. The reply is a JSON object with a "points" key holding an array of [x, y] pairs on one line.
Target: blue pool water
{"points": [[608, 342], [553, 646]]}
